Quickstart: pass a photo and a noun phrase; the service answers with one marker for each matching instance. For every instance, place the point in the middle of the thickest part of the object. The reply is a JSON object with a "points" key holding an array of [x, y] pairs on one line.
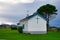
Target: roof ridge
{"points": [[36, 13]]}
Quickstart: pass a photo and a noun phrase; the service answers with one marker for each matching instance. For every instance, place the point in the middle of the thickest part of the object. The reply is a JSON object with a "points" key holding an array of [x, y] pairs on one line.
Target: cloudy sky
{"points": [[11, 11]]}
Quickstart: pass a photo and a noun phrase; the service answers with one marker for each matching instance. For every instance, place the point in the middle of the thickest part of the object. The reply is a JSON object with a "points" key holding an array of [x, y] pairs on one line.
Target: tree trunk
{"points": [[47, 22]]}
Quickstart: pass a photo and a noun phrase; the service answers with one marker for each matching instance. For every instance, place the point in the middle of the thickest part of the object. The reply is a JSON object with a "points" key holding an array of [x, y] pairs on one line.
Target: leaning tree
{"points": [[47, 10]]}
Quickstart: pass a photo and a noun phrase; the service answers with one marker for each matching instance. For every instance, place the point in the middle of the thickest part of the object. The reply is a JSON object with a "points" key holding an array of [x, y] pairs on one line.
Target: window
{"points": [[23, 26]]}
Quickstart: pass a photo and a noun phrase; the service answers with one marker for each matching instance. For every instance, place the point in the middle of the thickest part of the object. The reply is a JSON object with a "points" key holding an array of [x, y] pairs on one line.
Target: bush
{"points": [[13, 28], [20, 29], [58, 29]]}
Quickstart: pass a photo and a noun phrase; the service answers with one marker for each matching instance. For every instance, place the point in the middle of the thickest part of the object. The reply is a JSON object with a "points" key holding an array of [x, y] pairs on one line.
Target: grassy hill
{"points": [[7, 34]]}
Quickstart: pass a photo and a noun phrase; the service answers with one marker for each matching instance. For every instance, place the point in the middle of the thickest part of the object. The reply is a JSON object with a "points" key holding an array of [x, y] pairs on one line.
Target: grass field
{"points": [[7, 34]]}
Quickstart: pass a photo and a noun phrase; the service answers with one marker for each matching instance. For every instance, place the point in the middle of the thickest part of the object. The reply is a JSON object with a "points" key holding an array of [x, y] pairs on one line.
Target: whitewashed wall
{"points": [[26, 25], [33, 26]]}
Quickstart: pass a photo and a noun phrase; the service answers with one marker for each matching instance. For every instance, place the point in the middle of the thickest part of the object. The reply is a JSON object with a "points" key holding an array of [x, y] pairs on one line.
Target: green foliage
{"points": [[20, 29], [58, 29], [13, 28], [48, 9]]}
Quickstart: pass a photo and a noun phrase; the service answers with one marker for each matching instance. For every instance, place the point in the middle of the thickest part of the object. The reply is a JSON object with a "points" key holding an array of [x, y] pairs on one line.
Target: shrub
{"points": [[58, 29], [20, 29], [13, 28]]}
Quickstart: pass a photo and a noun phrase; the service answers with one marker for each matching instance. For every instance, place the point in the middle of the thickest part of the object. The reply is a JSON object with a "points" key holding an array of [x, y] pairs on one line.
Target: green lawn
{"points": [[8, 34]]}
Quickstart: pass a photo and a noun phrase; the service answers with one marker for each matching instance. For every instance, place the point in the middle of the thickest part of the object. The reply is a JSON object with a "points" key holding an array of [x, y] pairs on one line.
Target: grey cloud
{"points": [[16, 12]]}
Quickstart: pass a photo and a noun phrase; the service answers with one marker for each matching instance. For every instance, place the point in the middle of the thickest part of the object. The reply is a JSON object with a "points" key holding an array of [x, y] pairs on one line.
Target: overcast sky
{"points": [[11, 11]]}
